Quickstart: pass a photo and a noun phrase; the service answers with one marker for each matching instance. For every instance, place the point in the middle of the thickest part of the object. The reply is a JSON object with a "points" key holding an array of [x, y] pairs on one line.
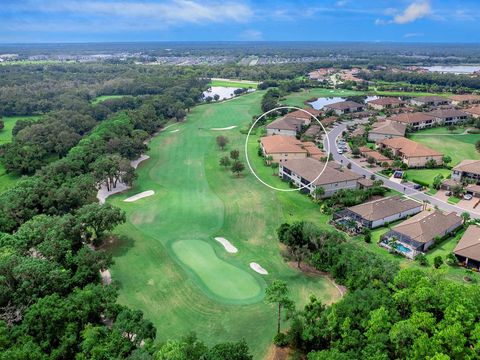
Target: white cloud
{"points": [[341, 3], [251, 34], [414, 11], [412, 35]]}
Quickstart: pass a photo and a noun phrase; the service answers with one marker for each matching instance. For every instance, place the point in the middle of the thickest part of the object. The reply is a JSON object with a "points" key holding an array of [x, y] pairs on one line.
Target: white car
{"points": [[468, 196], [340, 151]]}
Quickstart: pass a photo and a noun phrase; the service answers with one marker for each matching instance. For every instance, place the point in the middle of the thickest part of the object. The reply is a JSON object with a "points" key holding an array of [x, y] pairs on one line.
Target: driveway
{"points": [[409, 192]]}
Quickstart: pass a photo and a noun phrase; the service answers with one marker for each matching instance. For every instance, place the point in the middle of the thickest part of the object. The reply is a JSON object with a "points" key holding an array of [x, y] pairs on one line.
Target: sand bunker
{"points": [[256, 267], [225, 128], [140, 196], [175, 130], [227, 245], [136, 162]]}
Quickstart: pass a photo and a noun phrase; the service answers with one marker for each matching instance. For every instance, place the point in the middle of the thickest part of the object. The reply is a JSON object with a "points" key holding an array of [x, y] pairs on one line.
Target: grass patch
{"points": [[432, 191], [426, 175], [195, 200], [454, 200], [102, 98], [234, 83]]}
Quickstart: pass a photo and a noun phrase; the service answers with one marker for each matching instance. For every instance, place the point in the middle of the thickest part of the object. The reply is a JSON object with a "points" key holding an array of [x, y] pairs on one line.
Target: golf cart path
{"points": [[139, 196]]}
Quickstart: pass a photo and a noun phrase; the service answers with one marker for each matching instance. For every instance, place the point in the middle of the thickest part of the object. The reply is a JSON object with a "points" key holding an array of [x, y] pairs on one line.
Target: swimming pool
{"points": [[402, 248]]}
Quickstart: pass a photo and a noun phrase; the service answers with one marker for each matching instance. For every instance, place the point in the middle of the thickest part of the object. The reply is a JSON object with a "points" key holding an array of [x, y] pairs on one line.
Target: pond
{"points": [[223, 91], [322, 101], [454, 69]]}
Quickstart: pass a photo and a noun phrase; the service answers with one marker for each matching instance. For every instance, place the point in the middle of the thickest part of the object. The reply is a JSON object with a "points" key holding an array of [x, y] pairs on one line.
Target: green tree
{"points": [[422, 259], [222, 141], [437, 261], [225, 161], [93, 220], [319, 192], [477, 145], [235, 154], [447, 159], [277, 293], [238, 167], [2, 124], [465, 216], [437, 181]]}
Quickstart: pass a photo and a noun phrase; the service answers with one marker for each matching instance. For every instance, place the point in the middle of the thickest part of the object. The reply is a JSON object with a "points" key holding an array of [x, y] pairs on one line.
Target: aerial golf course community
{"points": [[174, 270]]}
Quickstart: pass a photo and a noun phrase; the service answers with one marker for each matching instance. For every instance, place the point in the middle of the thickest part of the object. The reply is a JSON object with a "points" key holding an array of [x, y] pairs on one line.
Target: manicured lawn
{"points": [[426, 175], [432, 191], [101, 98], [171, 267], [459, 147], [8, 180], [453, 200], [233, 83]]}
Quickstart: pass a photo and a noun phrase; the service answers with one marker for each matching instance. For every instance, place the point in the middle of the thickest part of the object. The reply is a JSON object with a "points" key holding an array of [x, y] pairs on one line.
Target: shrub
{"points": [[437, 261], [422, 259], [421, 182], [280, 339]]}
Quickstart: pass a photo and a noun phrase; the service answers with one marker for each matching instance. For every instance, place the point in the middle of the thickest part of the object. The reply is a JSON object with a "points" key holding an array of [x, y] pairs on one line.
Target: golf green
{"points": [[221, 280]]}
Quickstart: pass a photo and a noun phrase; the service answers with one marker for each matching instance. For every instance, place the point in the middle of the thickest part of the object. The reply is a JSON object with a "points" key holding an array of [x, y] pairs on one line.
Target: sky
{"points": [[37, 21]]}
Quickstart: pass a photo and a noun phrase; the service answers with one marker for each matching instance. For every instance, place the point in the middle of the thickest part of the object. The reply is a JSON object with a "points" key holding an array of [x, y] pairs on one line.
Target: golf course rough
{"points": [[219, 279]]}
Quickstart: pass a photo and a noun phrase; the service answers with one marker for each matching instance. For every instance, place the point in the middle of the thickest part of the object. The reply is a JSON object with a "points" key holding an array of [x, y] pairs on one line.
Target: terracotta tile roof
{"points": [[389, 128], [286, 123], [426, 225], [312, 149], [474, 110], [329, 120], [447, 113], [298, 114], [384, 207], [470, 166], [473, 188], [465, 98], [365, 149], [310, 168], [469, 244], [366, 182], [410, 118], [313, 130], [377, 156], [386, 101], [343, 105], [281, 144], [409, 148]]}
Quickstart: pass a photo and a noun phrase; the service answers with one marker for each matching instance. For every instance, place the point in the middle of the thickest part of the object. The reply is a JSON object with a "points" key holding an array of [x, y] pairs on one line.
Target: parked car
{"points": [[417, 186], [448, 193], [468, 196], [340, 151]]}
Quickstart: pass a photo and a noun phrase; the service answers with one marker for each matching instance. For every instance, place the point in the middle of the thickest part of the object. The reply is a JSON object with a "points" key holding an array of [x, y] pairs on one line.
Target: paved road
{"points": [[409, 192]]}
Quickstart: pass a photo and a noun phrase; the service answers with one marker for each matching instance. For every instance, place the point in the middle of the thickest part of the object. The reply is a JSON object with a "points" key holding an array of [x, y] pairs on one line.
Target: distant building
{"points": [[282, 148], [473, 111], [344, 107], [412, 153], [415, 235], [416, 120], [386, 130], [303, 172], [465, 99], [291, 123], [385, 103], [430, 101], [467, 170], [448, 116], [379, 212], [467, 250]]}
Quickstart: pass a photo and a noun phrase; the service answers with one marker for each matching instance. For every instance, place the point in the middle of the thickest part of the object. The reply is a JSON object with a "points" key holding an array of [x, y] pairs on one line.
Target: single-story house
{"points": [[385, 103], [415, 120], [304, 173], [386, 130], [379, 212], [416, 234], [473, 111], [467, 250], [473, 190], [430, 101], [365, 150], [410, 152], [465, 99], [448, 116], [313, 151], [344, 107], [467, 170], [448, 184], [378, 157], [286, 126], [282, 148], [329, 120]]}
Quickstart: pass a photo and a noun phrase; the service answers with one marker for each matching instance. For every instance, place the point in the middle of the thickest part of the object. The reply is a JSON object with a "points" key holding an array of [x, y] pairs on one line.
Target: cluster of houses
{"points": [[466, 175]]}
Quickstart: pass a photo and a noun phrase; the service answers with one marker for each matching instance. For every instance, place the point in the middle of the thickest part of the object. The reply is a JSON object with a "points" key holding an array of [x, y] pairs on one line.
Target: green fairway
{"points": [[8, 180], [170, 266], [227, 283], [234, 83], [458, 146], [102, 98]]}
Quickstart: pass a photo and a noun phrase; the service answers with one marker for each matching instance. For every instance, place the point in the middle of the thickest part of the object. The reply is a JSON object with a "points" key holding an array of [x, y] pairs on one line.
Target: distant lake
{"points": [[456, 69], [322, 101], [222, 91]]}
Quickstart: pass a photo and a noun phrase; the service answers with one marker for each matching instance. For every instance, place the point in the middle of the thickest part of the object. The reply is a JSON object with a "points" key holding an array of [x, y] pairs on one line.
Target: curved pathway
{"points": [[408, 192]]}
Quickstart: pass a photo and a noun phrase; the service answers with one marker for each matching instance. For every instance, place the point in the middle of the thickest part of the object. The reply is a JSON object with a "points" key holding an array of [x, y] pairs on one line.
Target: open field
{"points": [[158, 266], [102, 98], [426, 175], [459, 146], [234, 83], [8, 180]]}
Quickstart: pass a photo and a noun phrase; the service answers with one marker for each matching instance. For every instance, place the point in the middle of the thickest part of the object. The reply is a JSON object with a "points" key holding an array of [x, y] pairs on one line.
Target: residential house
{"points": [[292, 123], [379, 212], [467, 250], [430, 101], [305, 173], [410, 152], [448, 116], [385, 103], [473, 190], [416, 234], [282, 148], [467, 171], [386, 130], [313, 151], [344, 107], [473, 111], [415, 121], [465, 99]]}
